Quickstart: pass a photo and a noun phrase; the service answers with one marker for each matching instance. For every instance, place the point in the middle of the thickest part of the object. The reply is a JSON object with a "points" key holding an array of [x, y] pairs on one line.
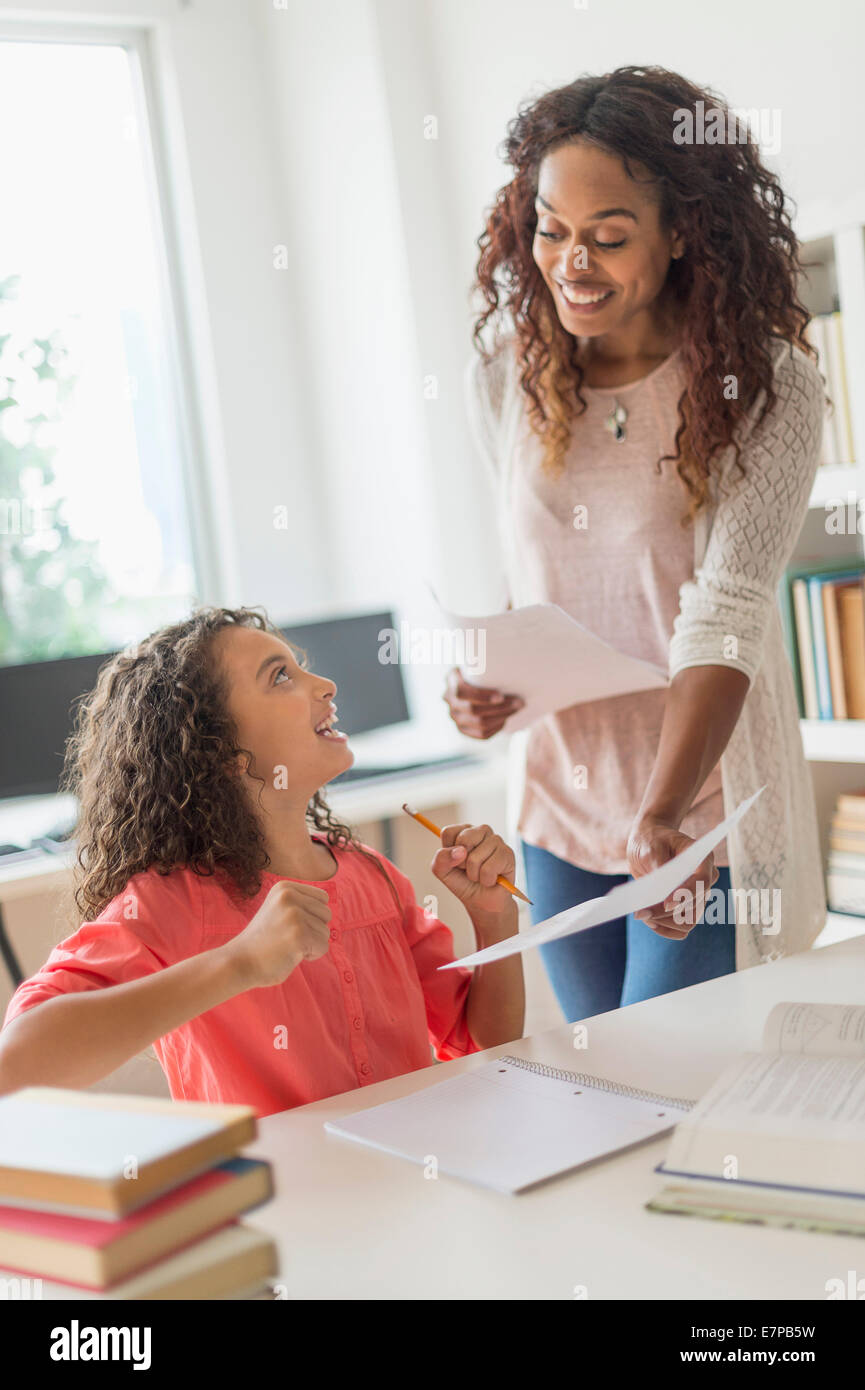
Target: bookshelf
{"points": [[833, 239]]}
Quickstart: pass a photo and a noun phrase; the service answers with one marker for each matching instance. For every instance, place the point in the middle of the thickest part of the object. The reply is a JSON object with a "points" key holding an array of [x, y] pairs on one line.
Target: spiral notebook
{"points": [[513, 1123]]}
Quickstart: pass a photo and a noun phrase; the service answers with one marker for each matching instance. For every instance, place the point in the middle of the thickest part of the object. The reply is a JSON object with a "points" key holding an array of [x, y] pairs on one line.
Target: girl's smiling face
{"points": [[277, 708], [587, 204]]}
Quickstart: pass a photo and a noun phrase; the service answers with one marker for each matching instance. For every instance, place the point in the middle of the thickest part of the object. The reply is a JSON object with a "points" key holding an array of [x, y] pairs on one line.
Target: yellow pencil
{"points": [[436, 830]]}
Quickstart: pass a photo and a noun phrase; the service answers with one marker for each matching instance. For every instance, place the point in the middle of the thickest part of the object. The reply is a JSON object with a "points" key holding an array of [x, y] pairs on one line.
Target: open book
{"points": [[780, 1137]]}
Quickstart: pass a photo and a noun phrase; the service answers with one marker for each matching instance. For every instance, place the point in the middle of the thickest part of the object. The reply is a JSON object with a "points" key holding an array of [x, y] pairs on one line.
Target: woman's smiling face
{"points": [[598, 242], [277, 706]]}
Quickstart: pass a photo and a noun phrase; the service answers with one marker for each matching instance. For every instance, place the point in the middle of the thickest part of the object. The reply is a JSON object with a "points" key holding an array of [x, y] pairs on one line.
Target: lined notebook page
{"points": [[506, 1127]]}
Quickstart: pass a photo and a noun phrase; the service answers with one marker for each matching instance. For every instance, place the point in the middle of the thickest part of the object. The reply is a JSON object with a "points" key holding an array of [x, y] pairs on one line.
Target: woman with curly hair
{"points": [[652, 413], [226, 917]]}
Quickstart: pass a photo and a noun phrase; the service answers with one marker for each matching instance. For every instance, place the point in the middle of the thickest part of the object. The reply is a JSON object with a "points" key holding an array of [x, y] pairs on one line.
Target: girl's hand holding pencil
{"points": [[475, 864]]}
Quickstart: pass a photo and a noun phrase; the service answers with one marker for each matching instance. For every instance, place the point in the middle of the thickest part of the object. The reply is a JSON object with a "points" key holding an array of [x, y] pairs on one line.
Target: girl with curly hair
{"points": [[651, 411], [226, 917]]}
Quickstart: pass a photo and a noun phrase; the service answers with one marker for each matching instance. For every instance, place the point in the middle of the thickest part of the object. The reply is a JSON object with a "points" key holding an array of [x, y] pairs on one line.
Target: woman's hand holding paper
{"points": [[653, 843], [477, 711]]}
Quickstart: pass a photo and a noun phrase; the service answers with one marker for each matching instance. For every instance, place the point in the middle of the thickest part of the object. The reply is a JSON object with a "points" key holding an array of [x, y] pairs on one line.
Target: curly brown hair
{"points": [[151, 763], [733, 290]]}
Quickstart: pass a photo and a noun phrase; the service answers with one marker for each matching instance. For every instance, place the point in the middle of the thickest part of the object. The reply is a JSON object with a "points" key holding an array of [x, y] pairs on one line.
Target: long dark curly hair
{"points": [[150, 762], [732, 291]]}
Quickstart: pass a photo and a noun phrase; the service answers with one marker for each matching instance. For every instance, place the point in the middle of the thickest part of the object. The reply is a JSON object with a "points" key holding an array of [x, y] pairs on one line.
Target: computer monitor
{"points": [[37, 698]]}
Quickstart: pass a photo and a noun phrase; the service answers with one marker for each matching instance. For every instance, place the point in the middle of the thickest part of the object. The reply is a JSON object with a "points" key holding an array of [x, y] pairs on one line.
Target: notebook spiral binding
{"points": [[582, 1078]]}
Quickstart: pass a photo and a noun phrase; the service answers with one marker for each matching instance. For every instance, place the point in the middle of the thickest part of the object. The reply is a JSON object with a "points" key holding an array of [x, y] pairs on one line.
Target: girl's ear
{"points": [[240, 764], [677, 246]]}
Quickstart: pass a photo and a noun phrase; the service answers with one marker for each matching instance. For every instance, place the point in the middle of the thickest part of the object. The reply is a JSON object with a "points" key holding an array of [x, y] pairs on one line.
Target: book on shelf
{"points": [[851, 805], [823, 613], [845, 873], [779, 1139], [825, 332], [116, 1196]]}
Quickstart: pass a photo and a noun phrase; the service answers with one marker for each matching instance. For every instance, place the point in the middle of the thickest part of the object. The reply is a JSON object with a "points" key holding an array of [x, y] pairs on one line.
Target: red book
{"points": [[93, 1253]]}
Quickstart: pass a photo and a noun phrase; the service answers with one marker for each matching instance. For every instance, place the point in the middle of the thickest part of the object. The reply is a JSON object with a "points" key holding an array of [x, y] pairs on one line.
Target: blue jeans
{"points": [[623, 961]]}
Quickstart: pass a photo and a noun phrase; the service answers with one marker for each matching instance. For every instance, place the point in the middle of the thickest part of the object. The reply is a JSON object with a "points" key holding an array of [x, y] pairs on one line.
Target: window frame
{"points": [[182, 346]]}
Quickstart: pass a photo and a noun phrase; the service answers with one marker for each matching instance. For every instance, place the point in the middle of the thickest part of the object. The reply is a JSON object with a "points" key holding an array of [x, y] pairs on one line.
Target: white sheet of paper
{"points": [[633, 896], [544, 655]]}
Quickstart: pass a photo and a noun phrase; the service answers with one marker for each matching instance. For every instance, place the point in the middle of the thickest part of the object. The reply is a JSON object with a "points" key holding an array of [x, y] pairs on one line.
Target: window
{"points": [[96, 545]]}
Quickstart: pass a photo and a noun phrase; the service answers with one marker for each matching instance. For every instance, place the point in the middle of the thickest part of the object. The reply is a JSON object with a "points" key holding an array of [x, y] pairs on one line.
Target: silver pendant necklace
{"points": [[615, 422]]}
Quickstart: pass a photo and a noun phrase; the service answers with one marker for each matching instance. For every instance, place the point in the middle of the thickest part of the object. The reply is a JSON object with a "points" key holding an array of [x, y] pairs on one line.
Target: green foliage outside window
{"points": [[51, 584]]}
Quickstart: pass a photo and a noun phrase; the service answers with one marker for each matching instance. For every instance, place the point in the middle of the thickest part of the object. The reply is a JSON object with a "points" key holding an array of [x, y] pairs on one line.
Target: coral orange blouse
{"points": [[370, 1008]]}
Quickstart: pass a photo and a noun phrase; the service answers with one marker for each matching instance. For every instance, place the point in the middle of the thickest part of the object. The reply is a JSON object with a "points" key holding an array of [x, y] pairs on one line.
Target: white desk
{"points": [[353, 1223]]}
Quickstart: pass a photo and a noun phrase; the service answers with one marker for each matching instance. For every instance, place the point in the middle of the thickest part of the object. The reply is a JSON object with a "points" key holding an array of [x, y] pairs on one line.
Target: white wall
{"points": [[248, 336], [370, 463], [351, 293], [489, 55]]}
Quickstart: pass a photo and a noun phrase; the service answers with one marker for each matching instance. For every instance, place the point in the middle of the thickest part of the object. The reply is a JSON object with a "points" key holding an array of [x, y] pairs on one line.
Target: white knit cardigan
{"points": [[743, 540]]}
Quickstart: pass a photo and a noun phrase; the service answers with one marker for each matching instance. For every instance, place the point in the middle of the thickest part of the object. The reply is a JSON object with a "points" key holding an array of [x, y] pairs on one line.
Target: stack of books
{"points": [[779, 1139], [127, 1197], [825, 333], [823, 608], [845, 882]]}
